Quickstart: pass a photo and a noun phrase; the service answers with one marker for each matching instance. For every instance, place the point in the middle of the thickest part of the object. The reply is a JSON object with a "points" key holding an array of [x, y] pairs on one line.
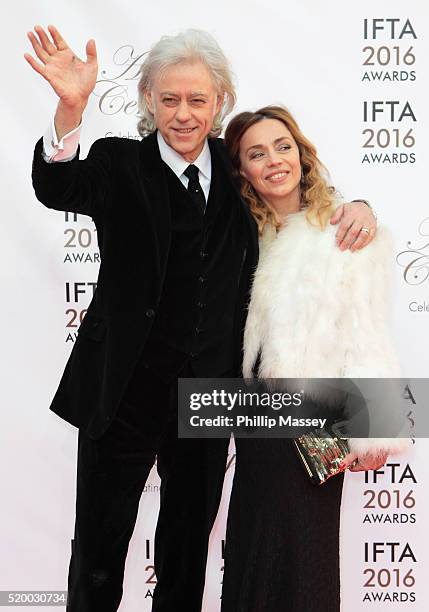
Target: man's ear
{"points": [[149, 103], [219, 102]]}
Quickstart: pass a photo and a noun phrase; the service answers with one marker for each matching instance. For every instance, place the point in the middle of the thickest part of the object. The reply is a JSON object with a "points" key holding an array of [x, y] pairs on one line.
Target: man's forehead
{"points": [[189, 78]]}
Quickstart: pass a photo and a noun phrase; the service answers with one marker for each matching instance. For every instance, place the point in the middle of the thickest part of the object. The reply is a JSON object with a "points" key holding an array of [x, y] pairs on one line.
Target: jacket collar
{"points": [[151, 162]]}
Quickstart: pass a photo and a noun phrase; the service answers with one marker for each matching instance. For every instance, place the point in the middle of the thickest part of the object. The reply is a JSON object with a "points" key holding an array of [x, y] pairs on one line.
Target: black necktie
{"points": [[194, 188]]}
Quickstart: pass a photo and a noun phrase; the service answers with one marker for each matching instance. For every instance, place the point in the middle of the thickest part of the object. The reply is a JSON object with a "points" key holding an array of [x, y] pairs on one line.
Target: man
{"points": [[178, 248]]}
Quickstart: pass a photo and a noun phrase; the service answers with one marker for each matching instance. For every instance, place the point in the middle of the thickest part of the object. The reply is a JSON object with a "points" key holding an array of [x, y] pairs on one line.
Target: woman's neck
{"points": [[286, 207]]}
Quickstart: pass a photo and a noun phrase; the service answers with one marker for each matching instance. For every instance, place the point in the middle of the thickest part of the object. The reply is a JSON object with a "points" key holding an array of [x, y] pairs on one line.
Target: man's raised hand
{"points": [[72, 79]]}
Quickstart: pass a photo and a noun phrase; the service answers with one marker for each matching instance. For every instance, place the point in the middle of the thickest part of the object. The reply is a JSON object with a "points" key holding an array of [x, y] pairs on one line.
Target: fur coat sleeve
{"points": [[318, 312]]}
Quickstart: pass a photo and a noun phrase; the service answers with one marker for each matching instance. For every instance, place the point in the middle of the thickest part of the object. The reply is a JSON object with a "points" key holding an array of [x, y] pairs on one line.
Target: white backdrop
{"points": [[302, 53]]}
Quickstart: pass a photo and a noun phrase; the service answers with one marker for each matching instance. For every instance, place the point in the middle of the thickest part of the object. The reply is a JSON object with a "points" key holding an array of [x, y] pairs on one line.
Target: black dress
{"points": [[282, 542]]}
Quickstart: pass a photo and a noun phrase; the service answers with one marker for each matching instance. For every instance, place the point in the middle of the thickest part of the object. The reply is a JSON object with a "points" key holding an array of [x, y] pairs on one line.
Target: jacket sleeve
{"points": [[80, 186], [252, 336], [370, 350], [377, 446]]}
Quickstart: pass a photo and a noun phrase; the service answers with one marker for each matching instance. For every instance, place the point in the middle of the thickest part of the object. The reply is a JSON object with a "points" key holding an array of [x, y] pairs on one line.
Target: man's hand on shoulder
{"points": [[357, 225]]}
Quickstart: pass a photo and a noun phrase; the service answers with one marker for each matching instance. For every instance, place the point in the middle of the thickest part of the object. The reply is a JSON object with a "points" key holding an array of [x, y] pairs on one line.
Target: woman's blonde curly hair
{"points": [[317, 196]]}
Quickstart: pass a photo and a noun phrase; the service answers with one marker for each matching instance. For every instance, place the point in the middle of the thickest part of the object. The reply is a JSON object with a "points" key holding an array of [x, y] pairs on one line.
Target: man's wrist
{"points": [[67, 118], [369, 206]]}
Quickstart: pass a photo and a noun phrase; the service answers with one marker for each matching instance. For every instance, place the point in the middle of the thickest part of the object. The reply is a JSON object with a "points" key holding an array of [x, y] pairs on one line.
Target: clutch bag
{"points": [[321, 452]]}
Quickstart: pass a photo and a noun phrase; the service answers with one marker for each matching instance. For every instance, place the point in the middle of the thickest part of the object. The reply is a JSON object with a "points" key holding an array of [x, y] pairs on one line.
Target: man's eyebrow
{"points": [[260, 146], [192, 94]]}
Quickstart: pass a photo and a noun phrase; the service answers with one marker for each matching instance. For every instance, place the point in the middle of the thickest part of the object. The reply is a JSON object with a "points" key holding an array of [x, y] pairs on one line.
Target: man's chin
{"points": [[186, 148]]}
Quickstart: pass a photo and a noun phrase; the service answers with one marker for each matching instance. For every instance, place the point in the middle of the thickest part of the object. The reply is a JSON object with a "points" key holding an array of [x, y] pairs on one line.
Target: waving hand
{"points": [[72, 79]]}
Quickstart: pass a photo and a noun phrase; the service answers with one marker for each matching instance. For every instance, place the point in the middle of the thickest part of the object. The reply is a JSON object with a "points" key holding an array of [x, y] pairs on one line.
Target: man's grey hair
{"points": [[188, 46]]}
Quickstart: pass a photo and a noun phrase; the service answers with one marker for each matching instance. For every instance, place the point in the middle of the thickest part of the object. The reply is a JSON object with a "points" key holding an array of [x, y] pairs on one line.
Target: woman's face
{"points": [[269, 158]]}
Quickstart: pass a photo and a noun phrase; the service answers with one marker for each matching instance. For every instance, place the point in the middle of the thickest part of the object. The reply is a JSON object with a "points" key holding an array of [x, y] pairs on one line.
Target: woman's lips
{"points": [[277, 177]]}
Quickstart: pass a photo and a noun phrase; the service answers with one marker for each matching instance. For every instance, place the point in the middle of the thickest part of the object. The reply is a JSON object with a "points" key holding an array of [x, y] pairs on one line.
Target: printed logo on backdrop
{"points": [[389, 62], [389, 557], [117, 89], [150, 577], [80, 249], [414, 261], [389, 496], [388, 123], [78, 295], [389, 514], [390, 577], [80, 240]]}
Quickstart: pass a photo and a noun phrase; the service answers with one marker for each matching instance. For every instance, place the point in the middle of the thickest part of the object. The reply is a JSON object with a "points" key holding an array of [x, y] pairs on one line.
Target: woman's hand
{"points": [[362, 463], [72, 79]]}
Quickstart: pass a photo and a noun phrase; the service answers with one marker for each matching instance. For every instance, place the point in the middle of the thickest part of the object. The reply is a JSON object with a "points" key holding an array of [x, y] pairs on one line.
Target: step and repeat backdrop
{"points": [[355, 77]]}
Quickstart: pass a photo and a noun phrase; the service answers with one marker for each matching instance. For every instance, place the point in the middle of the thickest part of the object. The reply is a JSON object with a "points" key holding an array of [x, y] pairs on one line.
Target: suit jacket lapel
{"points": [[157, 199]]}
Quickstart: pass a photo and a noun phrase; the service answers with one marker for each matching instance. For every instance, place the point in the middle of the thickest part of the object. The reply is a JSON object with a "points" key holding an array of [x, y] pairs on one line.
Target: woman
{"points": [[315, 311]]}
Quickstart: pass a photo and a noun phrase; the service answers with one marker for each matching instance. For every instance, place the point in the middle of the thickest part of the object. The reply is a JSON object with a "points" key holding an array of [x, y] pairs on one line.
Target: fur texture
{"points": [[318, 312]]}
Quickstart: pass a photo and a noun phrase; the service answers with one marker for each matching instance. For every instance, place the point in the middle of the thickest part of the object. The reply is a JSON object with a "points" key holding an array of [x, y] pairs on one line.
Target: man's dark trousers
{"points": [[112, 472]]}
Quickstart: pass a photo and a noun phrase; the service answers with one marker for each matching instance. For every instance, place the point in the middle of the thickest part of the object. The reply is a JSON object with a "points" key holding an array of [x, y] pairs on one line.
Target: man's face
{"points": [[184, 102]]}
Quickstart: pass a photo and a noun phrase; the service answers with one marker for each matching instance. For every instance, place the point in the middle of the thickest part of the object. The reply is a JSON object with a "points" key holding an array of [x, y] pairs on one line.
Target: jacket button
{"points": [[95, 324], [150, 312], [194, 354], [203, 254], [201, 279], [200, 304]]}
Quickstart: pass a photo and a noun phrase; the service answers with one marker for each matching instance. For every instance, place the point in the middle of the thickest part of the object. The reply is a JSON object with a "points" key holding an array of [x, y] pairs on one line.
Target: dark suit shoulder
{"points": [[218, 144], [217, 147], [115, 144]]}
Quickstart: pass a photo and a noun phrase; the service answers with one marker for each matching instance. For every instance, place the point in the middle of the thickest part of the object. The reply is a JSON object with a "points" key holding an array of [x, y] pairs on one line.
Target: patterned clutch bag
{"points": [[321, 452]]}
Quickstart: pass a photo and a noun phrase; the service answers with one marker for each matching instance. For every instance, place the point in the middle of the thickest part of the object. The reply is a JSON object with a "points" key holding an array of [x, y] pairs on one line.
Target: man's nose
{"points": [[183, 112]]}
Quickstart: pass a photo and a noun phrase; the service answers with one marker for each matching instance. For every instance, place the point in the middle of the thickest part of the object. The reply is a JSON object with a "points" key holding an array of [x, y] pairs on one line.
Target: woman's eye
{"points": [[284, 147], [255, 155]]}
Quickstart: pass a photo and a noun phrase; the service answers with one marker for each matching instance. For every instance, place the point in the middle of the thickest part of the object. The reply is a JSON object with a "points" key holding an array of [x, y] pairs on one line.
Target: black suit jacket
{"points": [[122, 186]]}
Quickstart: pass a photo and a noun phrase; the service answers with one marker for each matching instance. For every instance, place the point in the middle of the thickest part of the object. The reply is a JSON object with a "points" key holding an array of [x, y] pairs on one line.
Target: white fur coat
{"points": [[318, 312]]}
